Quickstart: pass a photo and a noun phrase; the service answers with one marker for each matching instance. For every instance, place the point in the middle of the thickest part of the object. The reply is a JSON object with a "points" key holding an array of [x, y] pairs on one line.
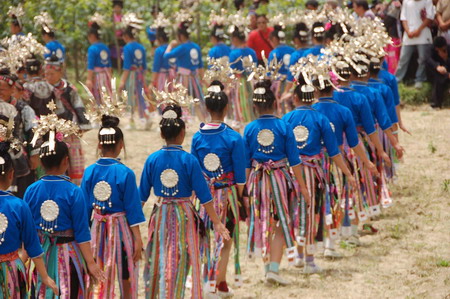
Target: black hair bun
{"points": [[175, 108], [218, 83], [278, 28], [267, 84], [94, 26], [4, 147], [109, 121]]}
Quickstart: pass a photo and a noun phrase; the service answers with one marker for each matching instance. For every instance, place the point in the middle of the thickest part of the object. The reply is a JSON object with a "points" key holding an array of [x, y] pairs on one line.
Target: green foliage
{"points": [[446, 185], [431, 147], [443, 263], [413, 96]]}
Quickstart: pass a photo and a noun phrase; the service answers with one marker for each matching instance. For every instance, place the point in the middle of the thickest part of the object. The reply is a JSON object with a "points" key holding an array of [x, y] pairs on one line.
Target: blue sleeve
{"points": [[200, 66], [131, 201], [109, 57], [293, 61], [393, 85], [144, 58], [271, 55], [392, 106], [80, 222], [198, 182], [329, 138], [85, 186], [174, 53], [151, 34], [127, 58], [248, 161], [146, 182], [350, 129], [158, 59], [212, 53], [48, 53], [194, 147], [91, 58], [384, 65], [28, 233], [366, 116], [381, 114], [238, 156], [291, 147]]}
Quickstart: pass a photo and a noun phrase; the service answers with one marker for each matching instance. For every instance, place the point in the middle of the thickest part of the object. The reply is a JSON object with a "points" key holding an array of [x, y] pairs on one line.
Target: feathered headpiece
{"points": [[17, 52], [16, 12], [97, 19], [132, 20], [238, 22], [220, 19], [179, 96], [220, 69], [114, 105], [56, 127], [267, 72], [45, 21], [183, 16], [6, 134]]}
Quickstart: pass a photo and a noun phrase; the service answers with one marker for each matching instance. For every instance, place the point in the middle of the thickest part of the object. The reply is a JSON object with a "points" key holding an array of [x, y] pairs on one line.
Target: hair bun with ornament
{"points": [[109, 121]]}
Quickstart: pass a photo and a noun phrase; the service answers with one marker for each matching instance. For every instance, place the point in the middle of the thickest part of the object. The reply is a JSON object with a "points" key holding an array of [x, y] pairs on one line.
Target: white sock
{"points": [[354, 230], [329, 244]]}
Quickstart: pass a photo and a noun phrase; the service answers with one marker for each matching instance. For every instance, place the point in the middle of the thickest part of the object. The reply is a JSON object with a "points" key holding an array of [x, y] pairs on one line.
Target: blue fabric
{"points": [[314, 50], [20, 228], [134, 55], [284, 144], [159, 62], [190, 177], [342, 119], [237, 54], [385, 65], [227, 144], [188, 55], [218, 51], [98, 56], [376, 103], [151, 34], [388, 98], [55, 48], [359, 107], [295, 56], [124, 192], [70, 200], [283, 54], [319, 129], [391, 81]]}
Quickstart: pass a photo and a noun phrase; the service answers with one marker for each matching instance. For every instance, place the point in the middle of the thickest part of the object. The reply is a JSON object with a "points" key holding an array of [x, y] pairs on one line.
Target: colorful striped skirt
{"points": [[13, 278], [271, 190], [242, 100], [165, 77], [135, 86], [387, 173], [278, 88], [112, 246], [226, 205], [65, 265], [102, 80], [191, 81], [76, 159], [173, 250]]}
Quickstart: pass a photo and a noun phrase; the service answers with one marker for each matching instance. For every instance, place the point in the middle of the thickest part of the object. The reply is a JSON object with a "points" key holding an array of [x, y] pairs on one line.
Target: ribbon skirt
{"points": [[13, 279], [112, 245], [173, 250], [102, 79]]}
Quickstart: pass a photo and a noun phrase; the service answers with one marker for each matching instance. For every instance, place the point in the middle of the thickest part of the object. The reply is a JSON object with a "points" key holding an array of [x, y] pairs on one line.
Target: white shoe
{"points": [[354, 240], [275, 278], [228, 294], [299, 263], [311, 269], [418, 85], [331, 254], [209, 295]]}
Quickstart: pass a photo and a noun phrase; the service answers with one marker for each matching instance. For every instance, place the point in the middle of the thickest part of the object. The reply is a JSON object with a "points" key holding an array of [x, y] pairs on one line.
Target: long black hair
{"points": [[216, 101], [6, 163], [171, 127], [162, 35], [94, 29]]}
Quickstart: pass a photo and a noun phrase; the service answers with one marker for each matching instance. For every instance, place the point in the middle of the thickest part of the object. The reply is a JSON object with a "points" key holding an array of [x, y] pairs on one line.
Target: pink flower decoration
{"points": [[327, 26], [334, 78], [59, 136]]}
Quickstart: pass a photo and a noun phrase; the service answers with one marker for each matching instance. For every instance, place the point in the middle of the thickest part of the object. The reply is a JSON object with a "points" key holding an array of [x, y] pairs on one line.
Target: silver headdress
{"points": [[220, 69], [238, 22], [16, 12], [6, 134], [98, 19], [45, 21], [131, 19], [56, 127], [179, 96], [267, 72], [161, 22], [220, 19]]}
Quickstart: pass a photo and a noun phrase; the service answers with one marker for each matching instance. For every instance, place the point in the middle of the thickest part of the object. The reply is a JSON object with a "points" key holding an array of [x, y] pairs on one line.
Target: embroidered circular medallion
{"points": [[169, 178], [211, 162], [59, 53], [49, 210], [265, 137], [332, 127], [194, 54], [102, 191], [301, 133], [3, 223], [103, 55], [286, 59], [138, 54]]}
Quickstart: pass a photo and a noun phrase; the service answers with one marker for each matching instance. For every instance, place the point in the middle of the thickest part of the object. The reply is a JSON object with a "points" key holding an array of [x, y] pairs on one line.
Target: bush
{"points": [[413, 96]]}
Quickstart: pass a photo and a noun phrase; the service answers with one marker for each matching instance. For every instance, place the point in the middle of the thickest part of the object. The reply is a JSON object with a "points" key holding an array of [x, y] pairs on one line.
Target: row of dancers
{"points": [[298, 181]]}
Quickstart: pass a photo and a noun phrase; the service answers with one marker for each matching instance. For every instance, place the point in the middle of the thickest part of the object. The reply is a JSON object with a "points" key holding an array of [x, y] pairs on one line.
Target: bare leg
{"points": [[223, 261], [126, 289], [276, 245]]}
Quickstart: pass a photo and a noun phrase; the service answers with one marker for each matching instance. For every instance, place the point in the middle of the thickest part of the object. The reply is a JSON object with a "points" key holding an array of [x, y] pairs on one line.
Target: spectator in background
{"points": [[252, 16], [361, 9], [258, 39], [312, 5], [392, 24], [239, 4], [415, 15], [438, 64], [443, 18]]}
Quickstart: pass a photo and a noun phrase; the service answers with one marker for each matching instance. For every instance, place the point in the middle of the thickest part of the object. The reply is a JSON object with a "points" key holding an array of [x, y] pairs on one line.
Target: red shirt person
{"points": [[258, 39]]}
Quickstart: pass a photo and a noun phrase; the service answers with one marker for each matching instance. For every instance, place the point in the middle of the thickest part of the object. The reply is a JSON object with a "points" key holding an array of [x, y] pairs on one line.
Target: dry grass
{"points": [[408, 258]]}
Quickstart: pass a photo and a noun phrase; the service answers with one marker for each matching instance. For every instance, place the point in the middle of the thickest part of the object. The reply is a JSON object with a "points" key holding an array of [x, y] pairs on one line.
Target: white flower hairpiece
{"points": [[45, 21], [214, 88], [170, 114], [260, 91]]}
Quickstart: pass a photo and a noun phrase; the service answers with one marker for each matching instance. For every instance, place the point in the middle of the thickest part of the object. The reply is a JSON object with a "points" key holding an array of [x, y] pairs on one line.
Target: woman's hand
{"points": [[137, 254], [95, 272], [51, 284], [222, 230]]}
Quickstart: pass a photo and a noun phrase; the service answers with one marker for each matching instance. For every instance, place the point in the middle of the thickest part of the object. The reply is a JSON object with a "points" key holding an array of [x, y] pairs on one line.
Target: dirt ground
{"points": [[408, 258]]}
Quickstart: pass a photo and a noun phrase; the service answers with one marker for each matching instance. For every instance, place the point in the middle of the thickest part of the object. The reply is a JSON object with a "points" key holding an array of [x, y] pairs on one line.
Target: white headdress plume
{"points": [[45, 21]]}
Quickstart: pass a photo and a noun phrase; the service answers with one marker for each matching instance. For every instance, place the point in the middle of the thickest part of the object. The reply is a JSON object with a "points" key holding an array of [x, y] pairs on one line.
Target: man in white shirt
{"points": [[416, 15]]}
